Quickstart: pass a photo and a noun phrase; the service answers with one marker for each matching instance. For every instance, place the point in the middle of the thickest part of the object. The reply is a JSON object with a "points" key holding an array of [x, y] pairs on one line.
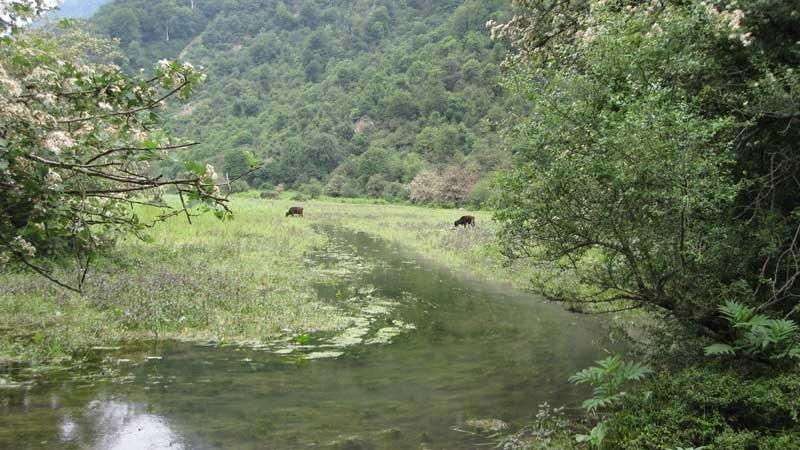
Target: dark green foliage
{"points": [[658, 152], [713, 407], [374, 91], [657, 167]]}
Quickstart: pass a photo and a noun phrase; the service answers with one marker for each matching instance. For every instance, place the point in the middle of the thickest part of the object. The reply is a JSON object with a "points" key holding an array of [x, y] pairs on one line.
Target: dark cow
{"points": [[465, 220], [295, 211]]}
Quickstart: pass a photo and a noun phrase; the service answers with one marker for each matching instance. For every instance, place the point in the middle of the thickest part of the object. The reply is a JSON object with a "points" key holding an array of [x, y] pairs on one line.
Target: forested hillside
{"points": [[381, 98]]}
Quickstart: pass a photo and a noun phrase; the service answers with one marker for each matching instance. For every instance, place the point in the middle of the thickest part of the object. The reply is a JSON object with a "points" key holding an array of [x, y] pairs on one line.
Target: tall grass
{"points": [[242, 280]]}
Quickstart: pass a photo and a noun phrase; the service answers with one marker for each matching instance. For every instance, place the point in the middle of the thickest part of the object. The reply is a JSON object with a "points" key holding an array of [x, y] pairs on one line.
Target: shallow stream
{"points": [[427, 351]]}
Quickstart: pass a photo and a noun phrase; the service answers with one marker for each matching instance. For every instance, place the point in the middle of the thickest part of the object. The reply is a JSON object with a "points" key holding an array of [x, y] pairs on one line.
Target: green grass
{"points": [[245, 280], [429, 232], [242, 280]]}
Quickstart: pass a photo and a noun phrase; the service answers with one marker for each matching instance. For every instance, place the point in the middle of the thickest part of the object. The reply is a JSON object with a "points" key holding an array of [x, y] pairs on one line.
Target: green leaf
{"points": [[251, 159], [719, 349], [196, 168]]}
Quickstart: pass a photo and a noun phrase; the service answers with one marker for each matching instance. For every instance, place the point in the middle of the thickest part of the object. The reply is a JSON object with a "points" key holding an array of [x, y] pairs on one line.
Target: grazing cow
{"points": [[295, 211], [465, 220]]}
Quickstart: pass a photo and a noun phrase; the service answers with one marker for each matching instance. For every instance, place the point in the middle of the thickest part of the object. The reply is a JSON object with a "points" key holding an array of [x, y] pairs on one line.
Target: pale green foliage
{"points": [[608, 378], [756, 334], [596, 436]]}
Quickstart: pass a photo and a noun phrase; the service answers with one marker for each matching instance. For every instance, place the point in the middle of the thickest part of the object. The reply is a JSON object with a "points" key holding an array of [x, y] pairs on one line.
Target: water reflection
{"points": [[124, 426]]}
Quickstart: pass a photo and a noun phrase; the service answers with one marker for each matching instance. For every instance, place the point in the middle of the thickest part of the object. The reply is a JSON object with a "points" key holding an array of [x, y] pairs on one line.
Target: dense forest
{"points": [[381, 99]]}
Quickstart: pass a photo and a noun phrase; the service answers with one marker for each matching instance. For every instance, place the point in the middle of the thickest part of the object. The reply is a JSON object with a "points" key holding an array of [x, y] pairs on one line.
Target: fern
{"points": [[719, 349], [735, 312], [756, 334], [608, 378]]}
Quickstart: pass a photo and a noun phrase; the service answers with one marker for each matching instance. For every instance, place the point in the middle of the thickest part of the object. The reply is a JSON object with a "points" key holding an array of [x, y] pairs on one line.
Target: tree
{"points": [[123, 24], [441, 143], [656, 161], [452, 184], [78, 142], [16, 13]]}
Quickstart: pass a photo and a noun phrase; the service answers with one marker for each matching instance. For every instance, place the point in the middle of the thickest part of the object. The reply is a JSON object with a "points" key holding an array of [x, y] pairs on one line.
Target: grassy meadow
{"points": [[245, 280], [239, 280]]}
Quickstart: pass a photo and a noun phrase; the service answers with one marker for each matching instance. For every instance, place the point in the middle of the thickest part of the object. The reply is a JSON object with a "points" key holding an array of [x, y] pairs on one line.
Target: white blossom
{"points": [[58, 141], [211, 173], [52, 178], [21, 245]]}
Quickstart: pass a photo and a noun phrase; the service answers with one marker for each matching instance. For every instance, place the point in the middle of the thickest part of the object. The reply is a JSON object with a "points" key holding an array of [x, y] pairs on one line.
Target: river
{"points": [[457, 348]]}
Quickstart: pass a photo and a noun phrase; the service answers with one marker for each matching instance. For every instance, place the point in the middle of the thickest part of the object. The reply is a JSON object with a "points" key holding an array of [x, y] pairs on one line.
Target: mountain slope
{"points": [[362, 96]]}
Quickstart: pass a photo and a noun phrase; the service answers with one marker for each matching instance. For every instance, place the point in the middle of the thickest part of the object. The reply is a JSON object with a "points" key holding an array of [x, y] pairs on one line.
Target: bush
{"points": [[311, 189], [449, 186], [299, 197], [482, 194], [709, 407], [270, 194], [395, 192], [238, 186], [376, 185]]}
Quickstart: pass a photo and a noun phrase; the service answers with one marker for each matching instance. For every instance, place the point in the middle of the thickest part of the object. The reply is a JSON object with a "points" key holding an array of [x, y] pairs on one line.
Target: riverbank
{"points": [[246, 280], [438, 359], [243, 280]]}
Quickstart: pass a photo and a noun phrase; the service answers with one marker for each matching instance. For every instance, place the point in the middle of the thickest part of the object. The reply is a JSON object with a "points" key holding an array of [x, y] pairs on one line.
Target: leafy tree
{"points": [[442, 143], [656, 135], [77, 144]]}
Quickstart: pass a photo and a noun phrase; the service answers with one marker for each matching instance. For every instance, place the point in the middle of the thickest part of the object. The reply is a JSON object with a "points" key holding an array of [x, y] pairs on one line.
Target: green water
{"points": [[477, 350]]}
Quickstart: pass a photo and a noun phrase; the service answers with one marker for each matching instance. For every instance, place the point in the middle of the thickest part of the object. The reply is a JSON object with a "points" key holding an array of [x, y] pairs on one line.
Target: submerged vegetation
{"points": [[251, 280]]}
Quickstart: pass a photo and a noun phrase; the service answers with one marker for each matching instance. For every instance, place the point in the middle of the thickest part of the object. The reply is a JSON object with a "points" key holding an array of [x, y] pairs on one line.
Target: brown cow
{"points": [[465, 220], [295, 211]]}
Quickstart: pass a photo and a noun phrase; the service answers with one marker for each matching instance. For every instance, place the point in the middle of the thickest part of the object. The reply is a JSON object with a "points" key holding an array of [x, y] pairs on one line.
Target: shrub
{"points": [[451, 185], [238, 186], [395, 192], [482, 193], [311, 189], [709, 407], [376, 185], [270, 194]]}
